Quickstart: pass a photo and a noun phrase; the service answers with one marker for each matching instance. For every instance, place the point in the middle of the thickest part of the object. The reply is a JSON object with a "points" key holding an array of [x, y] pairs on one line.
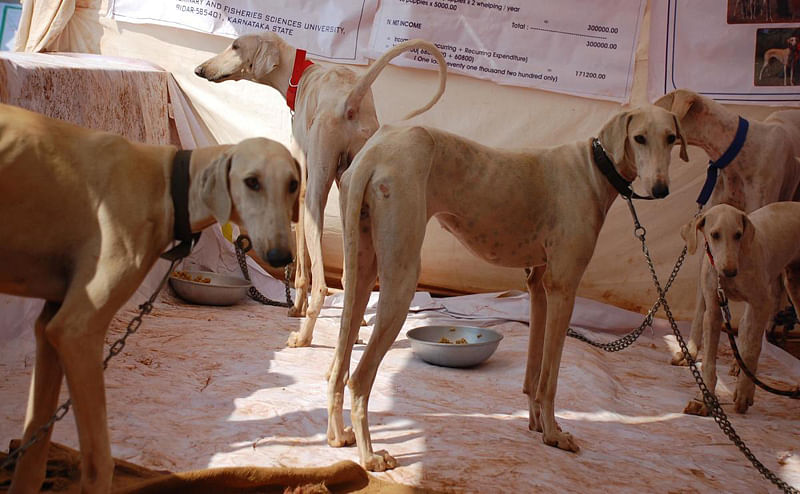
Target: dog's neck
{"points": [[713, 130], [279, 77], [601, 184]]}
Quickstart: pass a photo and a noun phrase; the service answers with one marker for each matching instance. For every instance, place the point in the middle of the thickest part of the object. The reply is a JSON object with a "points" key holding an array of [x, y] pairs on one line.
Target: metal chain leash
{"points": [[728, 328], [709, 399], [243, 244], [627, 340], [115, 348]]}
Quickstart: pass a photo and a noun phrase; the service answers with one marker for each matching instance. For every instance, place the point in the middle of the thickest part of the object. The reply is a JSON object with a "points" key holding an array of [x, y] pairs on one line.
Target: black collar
{"points": [[607, 168], [179, 190]]}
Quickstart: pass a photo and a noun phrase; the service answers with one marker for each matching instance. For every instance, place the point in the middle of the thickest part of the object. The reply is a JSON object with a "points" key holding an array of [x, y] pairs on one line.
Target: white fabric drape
{"points": [[41, 23]]}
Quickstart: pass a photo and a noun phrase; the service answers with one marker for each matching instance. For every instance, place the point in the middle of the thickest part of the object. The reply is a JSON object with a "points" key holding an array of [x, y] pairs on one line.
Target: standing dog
{"points": [[540, 208], [750, 255], [333, 118], [764, 171], [785, 56], [86, 215]]}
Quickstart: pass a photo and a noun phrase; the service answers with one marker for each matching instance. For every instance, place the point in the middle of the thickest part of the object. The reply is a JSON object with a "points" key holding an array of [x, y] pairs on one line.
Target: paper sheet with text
{"points": [[580, 47], [337, 30]]}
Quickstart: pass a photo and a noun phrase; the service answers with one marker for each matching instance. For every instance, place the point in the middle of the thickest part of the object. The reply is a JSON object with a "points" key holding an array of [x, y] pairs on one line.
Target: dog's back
{"points": [[56, 181]]}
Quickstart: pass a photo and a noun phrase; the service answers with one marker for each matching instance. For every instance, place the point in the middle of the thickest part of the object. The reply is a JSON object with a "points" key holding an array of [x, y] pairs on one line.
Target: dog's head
{"points": [[256, 184], [252, 57], [640, 142], [728, 233], [792, 41]]}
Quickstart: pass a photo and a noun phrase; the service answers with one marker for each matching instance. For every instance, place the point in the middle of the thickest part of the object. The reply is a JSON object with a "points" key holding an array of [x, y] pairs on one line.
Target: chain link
{"points": [[253, 292], [113, 350]]}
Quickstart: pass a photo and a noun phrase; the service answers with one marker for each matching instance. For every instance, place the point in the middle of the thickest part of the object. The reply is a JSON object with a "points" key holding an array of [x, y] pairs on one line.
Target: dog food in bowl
{"points": [[453, 346], [205, 288]]}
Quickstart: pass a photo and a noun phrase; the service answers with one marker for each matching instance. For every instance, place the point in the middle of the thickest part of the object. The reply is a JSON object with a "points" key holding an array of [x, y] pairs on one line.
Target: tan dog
{"points": [[764, 171], [751, 254], [334, 117], [85, 215], [784, 56], [540, 208]]}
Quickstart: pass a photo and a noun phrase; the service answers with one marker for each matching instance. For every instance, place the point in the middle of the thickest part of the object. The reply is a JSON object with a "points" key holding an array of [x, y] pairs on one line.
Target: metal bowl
{"points": [[222, 290], [430, 343]]}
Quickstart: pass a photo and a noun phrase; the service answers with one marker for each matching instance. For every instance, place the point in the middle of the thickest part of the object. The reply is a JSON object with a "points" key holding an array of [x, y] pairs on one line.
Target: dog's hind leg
{"points": [[538, 303], [696, 333], [319, 184], [42, 402], [338, 435], [399, 229]]}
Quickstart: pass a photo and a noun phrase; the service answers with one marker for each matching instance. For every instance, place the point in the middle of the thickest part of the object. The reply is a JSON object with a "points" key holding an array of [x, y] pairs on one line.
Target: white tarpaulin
{"points": [[333, 29], [578, 47], [717, 48]]}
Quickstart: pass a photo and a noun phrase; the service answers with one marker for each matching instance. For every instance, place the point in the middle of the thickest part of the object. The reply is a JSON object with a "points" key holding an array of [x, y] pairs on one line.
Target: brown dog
{"points": [[85, 215]]}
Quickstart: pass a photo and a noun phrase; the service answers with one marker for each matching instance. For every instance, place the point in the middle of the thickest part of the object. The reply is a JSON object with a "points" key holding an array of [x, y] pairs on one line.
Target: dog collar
{"points": [[710, 257], [300, 65], [179, 190], [607, 168], [723, 161]]}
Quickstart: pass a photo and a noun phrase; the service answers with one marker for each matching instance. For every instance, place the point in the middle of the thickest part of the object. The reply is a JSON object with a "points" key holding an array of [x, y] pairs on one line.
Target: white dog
{"points": [[539, 208], [334, 115], [85, 215], [764, 170], [748, 255]]}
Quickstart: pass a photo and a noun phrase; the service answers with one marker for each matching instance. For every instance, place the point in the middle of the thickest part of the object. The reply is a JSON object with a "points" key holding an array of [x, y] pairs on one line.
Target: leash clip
{"points": [[244, 243]]}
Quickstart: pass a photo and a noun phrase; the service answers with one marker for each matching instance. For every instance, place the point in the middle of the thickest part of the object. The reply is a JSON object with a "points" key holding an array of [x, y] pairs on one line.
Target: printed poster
{"points": [[580, 47], [336, 30], [730, 50]]}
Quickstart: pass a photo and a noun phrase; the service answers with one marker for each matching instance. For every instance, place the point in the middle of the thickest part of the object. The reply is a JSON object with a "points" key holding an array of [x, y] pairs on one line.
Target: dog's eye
{"points": [[715, 235], [671, 138], [252, 183], [640, 139], [737, 235], [293, 186]]}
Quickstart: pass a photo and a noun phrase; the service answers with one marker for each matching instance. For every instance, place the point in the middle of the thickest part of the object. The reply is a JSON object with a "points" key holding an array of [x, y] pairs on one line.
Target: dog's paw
{"points": [[679, 359], [297, 311], [561, 440], [380, 461], [696, 407], [346, 438], [743, 398], [296, 341]]}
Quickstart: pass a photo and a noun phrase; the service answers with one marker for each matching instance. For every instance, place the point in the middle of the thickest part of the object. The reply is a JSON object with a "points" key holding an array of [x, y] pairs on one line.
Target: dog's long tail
{"points": [[356, 190], [353, 102]]}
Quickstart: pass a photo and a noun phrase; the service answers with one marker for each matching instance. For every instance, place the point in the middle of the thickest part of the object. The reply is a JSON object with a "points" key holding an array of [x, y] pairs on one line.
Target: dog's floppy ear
{"points": [[266, 57], [614, 135], [214, 187], [679, 131], [748, 232], [300, 187], [678, 102], [689, 233]]}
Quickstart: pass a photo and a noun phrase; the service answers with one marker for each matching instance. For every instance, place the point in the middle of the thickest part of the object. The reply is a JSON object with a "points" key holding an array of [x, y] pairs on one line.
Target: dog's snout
{"points": [[730, 273], [200, 70], [279, 257], [660, 190]]}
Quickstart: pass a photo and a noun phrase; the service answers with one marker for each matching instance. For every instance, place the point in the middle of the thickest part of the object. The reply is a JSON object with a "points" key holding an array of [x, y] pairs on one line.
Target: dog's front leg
{"points": [[754, 323], [42, 402], [560, 302], [302, 259], [711, 328], [538, 306]]}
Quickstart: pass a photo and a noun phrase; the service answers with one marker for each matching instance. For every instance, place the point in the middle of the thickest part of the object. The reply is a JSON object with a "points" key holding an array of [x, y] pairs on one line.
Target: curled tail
{"points": [[365, 81]]}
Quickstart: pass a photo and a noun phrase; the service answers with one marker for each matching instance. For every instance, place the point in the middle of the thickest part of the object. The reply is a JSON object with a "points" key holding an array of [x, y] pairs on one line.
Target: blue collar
{"points": [[723, 161]]}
